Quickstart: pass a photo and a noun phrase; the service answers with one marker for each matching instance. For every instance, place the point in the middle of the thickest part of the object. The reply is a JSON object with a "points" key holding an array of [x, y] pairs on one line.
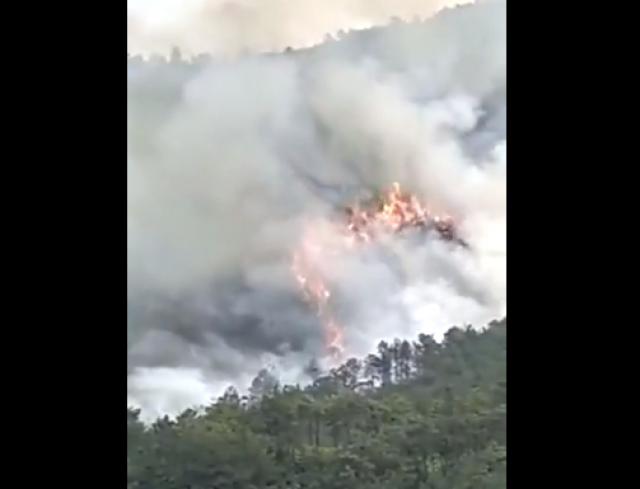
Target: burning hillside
{"points": [[394, 212], [228, 156]]}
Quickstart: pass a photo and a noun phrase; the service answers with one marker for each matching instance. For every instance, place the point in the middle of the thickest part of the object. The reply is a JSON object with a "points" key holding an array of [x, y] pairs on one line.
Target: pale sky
{"points": [[158, 12], [257, 25]]}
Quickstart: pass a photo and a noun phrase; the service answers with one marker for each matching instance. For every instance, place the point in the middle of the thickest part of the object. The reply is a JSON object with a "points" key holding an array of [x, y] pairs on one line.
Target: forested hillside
{"points": [[416, 415]]}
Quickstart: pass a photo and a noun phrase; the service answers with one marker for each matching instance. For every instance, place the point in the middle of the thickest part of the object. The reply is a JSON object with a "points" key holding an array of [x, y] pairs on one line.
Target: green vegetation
{"points": [[417, 415]]}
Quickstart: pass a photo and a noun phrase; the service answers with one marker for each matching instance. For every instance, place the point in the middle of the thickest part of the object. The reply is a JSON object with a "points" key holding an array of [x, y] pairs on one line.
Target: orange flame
{"points": [[395, 211]]}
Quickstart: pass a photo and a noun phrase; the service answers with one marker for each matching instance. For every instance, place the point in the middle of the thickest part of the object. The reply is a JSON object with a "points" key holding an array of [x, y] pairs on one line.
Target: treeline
{"points": [[175, 56], [416, 415]]}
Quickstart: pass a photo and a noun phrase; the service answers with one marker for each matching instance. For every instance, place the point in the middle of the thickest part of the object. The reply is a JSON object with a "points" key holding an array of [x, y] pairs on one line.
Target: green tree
{"points": [[436, 420]]}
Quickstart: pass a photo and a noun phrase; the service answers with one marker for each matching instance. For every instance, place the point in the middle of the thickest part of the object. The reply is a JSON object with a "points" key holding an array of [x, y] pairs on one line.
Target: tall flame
{"points": [[393, 212]]}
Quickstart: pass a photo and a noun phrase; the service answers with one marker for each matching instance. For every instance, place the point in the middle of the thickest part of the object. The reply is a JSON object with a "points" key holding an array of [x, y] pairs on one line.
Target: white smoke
{"points": [[227, 159]]}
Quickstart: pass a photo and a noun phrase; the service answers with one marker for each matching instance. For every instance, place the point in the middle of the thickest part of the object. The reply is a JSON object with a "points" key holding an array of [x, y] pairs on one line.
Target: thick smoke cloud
{"points": [[228, 159]]}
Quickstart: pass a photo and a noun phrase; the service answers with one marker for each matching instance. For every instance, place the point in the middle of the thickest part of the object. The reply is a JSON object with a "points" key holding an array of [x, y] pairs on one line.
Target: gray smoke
{"points": [[228, 159]]}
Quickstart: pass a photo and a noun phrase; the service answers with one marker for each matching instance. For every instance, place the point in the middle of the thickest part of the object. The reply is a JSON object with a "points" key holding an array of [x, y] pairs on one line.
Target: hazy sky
{"points": [[161, 11], [238, 26]]}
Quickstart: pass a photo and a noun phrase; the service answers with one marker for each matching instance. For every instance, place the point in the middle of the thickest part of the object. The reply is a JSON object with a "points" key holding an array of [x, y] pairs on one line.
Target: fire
{"points": [[394, 212]]}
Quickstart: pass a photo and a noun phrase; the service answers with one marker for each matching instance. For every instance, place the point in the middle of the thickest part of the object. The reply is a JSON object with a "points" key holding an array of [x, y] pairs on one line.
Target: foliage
{"points": [[416, 415]]}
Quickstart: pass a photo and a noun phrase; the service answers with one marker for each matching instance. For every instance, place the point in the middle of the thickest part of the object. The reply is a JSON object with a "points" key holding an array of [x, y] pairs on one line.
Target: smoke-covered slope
{"points": [[228, 159]]}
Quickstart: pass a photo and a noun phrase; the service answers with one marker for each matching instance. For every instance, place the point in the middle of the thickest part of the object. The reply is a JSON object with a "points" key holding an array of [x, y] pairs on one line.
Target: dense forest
{"points": [[415, 415]]}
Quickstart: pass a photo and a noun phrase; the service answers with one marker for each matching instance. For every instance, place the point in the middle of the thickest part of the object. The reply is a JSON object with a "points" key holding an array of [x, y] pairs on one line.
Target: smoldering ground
{"points": [[229, 159]]}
